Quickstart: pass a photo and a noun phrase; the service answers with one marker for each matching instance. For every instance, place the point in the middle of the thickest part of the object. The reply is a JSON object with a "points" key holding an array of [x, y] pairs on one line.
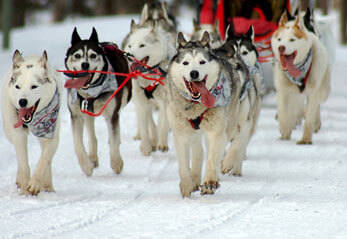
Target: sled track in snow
{"points": [[84, 221]]}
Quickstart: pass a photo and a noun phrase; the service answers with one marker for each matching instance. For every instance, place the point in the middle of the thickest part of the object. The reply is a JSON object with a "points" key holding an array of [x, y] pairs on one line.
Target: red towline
{"points": [[133, 74]]}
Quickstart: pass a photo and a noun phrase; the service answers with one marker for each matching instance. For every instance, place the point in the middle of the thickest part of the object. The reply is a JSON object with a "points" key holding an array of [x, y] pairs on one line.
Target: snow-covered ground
{"points": [[287, 191]]}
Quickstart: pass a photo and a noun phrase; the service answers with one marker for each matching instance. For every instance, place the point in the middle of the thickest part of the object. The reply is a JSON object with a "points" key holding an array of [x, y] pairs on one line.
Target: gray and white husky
{"points": [[91, 91], [31, 96], [150, 45], [212, 29], [203, 99], [240, 49]]}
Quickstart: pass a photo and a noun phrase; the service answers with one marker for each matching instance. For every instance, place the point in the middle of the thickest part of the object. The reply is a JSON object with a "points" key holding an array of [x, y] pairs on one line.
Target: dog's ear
{"points": [[43, 59], [289, 16], [307, 16], [229, 33], [196, 25], [250, 33], [181, 40], [17, 59], [299, 22], [144, 14], [132, 25], [165, 14], [75, 37], [205, 39], [215, 25], [284, 19], [94, 36]]}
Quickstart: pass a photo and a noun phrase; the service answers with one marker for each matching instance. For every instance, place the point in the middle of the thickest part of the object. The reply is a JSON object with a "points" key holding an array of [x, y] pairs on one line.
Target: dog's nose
{"points": [[194, 74], [281, 49], [85, 66], [23, 103]]}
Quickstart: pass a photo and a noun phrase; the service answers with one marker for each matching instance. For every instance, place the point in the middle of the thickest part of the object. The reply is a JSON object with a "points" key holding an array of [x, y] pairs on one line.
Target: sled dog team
{"points": [[211, 88]]}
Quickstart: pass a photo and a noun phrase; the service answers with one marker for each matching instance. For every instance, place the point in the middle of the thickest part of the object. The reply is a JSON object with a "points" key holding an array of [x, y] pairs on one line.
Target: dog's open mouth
{"points": [[287, 62], [80, 80], [138, 65], [198, 90], [25, 115]]}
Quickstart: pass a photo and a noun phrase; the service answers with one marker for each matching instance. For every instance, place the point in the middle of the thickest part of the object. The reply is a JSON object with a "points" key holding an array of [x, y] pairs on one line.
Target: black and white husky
{"points": [[203, 99], [240, 49], [91, 91], [31, 96]]}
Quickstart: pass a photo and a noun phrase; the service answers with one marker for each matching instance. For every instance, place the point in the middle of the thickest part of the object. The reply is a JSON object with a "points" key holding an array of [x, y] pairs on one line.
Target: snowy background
{"points": [[287, 191]]}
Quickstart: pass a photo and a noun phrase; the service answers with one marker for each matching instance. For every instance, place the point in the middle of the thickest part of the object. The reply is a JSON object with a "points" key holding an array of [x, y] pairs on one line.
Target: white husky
{"points": [[301, 76], [31, 95], [148, 44]]}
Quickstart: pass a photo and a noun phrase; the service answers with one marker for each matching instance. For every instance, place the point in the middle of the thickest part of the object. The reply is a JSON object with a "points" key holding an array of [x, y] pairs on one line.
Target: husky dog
{"points": [[302, 77], [147, 44], [91, 92], [241, 49], [203, 98], [199, 29], [31, 96], [158, 11]]}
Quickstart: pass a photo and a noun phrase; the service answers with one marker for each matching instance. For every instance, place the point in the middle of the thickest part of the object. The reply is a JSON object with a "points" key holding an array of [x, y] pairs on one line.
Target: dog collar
{"points": [[105, 83], [221, 92], [43, 123], [304, 67]]}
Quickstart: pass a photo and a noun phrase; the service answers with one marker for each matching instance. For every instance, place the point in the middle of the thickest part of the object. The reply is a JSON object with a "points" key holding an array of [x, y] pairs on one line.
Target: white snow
{"points": [[287, 191]]}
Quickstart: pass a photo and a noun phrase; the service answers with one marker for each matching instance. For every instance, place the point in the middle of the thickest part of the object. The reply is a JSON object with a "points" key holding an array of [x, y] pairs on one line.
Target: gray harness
{"points": [[221, 92], [253, 71], [43, 123], [105, 83]]}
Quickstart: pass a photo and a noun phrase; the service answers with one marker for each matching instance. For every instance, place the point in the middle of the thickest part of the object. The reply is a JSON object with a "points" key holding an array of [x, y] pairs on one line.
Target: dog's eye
{"points": [[202, 62], [278, 39], [17, 87], [142, 45], [185, 63], [244, 53], [93, 56], [129, 46], [291, 39], [34, 87], [77, 56]]}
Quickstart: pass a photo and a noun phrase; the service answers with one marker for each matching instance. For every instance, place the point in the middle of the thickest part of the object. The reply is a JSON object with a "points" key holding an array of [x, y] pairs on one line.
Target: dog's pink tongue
{"points": [[287, 64], [22, 112], [76, 83], [206, 98]]}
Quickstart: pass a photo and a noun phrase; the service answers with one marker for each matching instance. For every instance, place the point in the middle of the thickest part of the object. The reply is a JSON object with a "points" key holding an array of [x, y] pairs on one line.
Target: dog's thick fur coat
{"points": [[92, 55], [195, 64], [293, 41], [30, 86]]}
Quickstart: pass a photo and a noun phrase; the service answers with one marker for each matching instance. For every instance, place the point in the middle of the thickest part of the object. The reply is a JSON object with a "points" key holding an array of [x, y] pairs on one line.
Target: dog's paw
{"points": [[226, 167], [117, 165], [146, 149], [284, 137], [304, 142], [163, 148], [186, 187], [209, 187], [87, 167], [137, 137], [95, 160], [236, 172], [48, 188], [34, 186]]}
